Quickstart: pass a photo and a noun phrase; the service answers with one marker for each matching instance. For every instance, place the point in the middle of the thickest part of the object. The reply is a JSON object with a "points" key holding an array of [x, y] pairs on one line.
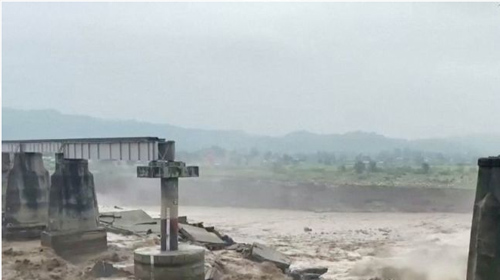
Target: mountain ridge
{"points": [[51, 124]]}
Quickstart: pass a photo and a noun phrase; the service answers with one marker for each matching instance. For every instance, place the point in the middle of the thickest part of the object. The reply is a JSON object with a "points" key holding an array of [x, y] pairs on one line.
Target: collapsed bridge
{"points": [[62, 209]]}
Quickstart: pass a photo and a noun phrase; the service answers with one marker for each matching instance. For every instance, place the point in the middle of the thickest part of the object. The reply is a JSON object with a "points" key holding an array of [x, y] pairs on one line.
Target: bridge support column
{"points": [[6, 166], [170, 260], [73, 227], [26, 197], [484, 250]]}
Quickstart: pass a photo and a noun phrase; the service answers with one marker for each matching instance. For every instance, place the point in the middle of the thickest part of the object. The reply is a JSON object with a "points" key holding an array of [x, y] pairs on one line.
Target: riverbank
{"points": [[257, 193]]}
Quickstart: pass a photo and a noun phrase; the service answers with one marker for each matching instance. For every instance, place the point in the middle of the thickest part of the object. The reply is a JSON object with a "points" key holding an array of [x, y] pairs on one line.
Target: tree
{"points": [[287, 159], [342, 168], [268, 156], [425, 168], [372, 167], [254, 152], [359, 167]]}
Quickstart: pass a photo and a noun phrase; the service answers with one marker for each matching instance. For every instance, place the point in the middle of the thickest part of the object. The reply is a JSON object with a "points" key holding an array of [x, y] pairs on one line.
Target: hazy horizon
{"points": [[257, 134], [405, 70]]}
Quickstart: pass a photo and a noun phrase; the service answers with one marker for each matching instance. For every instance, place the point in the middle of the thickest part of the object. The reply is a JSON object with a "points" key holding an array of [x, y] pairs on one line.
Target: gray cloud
{"points": [[408, 70]]}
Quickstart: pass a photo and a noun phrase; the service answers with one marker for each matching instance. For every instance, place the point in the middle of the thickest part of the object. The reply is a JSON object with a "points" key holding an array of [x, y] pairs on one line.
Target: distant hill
{"points": [[46, 124]]}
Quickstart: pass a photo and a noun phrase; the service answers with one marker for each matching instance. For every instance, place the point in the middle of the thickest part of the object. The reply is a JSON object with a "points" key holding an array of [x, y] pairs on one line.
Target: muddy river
{"points": [[400, 246], [404, 246]]}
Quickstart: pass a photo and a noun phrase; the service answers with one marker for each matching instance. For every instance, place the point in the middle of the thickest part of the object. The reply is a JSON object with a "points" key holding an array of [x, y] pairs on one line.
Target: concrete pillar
{"points": [[73, 225], [6, 166], [484, 250], [26, 197], [169, 201], [170, 260]]}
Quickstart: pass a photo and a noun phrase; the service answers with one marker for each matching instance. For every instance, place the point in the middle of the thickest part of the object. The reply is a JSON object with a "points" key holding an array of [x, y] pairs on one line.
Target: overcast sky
{"points": [[411, 70]]}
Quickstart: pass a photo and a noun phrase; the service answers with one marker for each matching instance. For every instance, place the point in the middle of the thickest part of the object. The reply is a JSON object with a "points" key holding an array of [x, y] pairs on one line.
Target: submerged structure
{"points": [[73, 216], [484, 250], [66, 217], [26, 196], [169, 260]]}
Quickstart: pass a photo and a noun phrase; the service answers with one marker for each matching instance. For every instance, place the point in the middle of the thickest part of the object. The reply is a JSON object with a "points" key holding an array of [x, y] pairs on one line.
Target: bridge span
{"points": [[124, 148]]}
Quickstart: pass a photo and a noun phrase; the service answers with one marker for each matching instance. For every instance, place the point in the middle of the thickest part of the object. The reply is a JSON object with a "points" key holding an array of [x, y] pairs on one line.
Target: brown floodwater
{"points": [[403, 246]]}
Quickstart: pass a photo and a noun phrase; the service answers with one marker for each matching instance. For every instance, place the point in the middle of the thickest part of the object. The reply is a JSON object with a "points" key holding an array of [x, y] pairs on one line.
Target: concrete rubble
{"points": [[132, 222], [139, 223], [262, 253], [308, 273], [201, 236]]}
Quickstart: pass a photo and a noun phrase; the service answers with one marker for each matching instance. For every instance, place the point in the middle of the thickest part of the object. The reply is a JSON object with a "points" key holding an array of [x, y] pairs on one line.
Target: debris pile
{"points": [[132, 222], [262, 253], [139, 223]]}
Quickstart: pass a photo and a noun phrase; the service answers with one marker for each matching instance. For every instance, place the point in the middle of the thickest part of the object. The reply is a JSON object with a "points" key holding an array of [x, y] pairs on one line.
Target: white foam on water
{"points": [[403, 246]]}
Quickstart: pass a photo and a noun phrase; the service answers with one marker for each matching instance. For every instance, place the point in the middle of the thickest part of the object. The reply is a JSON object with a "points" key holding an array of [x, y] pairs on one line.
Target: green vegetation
{"points": [[346, 172], [445, 176], [389, 168]]}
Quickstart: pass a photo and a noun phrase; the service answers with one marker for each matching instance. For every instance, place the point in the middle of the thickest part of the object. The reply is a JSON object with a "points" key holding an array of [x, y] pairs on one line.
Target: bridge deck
{"points": [[126, 148]]}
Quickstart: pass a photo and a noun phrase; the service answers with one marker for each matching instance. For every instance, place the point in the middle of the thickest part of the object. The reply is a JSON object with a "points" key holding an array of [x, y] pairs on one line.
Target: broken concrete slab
{"points": [[241, 248], [308, 273], [182, 220], [130, 222], [228, 240], [103, 269], [138, 222], [126, 217], [305, 276], [202, 236], [263, 253], [315, 270]]}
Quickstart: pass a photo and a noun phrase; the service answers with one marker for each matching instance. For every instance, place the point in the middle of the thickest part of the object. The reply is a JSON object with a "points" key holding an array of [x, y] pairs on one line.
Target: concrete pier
{"points": [[6, 166], [185, 263], [484, 250], [26, 197], [73, 227], [170, 260]]}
